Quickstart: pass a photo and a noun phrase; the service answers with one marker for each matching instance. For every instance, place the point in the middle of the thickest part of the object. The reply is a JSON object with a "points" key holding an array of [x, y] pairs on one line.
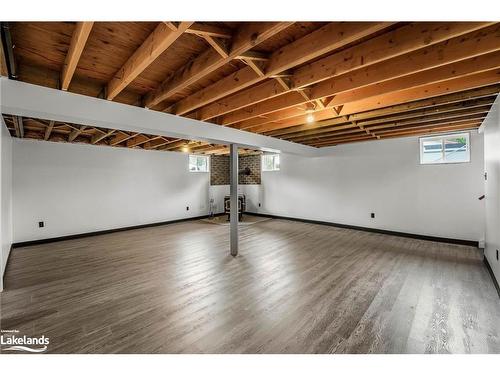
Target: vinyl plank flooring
{"points": [[294, 288]]}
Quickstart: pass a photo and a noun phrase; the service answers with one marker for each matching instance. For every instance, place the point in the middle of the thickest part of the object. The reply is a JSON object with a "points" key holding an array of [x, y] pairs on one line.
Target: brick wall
{"points": [[219, 170], [252, 162]]}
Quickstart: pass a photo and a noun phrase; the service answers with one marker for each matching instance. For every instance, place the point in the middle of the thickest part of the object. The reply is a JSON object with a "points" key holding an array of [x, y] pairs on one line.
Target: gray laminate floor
{"points": [[294, 288]]}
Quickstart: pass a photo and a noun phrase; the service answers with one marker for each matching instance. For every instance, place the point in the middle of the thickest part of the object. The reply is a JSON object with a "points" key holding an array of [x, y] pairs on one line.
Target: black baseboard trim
{"points": [[495, 281], [6, 266], [338, 225], [106, 231], [374, 230]]}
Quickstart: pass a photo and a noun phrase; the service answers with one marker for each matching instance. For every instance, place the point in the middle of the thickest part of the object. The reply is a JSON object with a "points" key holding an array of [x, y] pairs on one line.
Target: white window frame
{"points": [[199, 156], [442, 138], [274, 169]]}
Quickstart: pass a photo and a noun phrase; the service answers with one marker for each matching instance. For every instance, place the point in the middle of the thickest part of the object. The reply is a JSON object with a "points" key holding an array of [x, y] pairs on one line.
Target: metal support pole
{"points": [[234, 199]]}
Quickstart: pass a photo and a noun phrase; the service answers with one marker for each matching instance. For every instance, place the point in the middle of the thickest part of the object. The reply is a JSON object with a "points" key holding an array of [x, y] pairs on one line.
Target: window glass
{"points": [[198, 163], [451, 148], [271, 162]]}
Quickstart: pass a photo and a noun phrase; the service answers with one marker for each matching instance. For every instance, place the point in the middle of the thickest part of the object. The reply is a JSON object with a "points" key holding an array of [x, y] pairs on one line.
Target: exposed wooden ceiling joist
{"points": [[326, 39], [344, 91], [203, 29], [3, 62], [298, 123], [76, 132], [78, 40], [18, 126], [397, 42], [406, 95], [424, 114], [155, 143], [48, 130], [217, 45], [400, 41], [121, 137], [156, 43], [102, 135], [418, 131], [246, 38], [346, 129]]}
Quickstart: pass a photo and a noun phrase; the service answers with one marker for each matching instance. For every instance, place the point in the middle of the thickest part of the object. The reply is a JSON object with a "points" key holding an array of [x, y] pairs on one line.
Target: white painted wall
{"points": [[383, 177], [491, 126], [6, 197], [76, 188]]}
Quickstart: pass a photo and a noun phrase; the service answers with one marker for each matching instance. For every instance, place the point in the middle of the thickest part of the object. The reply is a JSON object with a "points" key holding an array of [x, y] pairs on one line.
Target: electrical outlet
{"points": [[41, 224], [259, 204], [372, 215], [187, 208]]}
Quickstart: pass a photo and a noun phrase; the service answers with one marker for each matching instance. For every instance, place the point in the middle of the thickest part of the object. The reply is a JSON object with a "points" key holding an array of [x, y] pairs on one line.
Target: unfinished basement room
{"points": [[250, 187]]}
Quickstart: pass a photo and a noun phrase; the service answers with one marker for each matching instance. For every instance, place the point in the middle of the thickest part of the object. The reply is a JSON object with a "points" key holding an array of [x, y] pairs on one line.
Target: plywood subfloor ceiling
{"points": [[319, 84]]}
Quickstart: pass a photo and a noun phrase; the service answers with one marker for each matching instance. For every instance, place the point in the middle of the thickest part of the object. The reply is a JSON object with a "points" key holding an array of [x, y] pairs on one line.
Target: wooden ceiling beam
{"points": [[155, 143], [364, 136], [328, 38], [338, 130], [185, 147], [78, 41], [465, 122], [141, 139], [406, 133], [172, 145], [48, 130], [446, 109], [18, 126], [76, 132], [462, 68], [394, 43], [345, 89], [443, 129], [451, 110], [215, 150], [254, 56], [298, 123], [390, 95], [21, 126], [288, 100], [103, 135], [247, 37], [475, 43], [256, 66], [217, 45], [121, 137], [487, 78], [155, 44], [203, 148], [203, 29], [3, 63], [292, 116]]}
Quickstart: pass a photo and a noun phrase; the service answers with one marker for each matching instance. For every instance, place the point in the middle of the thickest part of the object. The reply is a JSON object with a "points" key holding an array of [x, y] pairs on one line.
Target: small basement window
{"points": [[198, 163], [270, 162], [445, 149]]}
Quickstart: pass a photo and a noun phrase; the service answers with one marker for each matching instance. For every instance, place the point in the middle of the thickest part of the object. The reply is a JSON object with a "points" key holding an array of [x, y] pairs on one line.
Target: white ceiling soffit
{"points": [[24, 99]]}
